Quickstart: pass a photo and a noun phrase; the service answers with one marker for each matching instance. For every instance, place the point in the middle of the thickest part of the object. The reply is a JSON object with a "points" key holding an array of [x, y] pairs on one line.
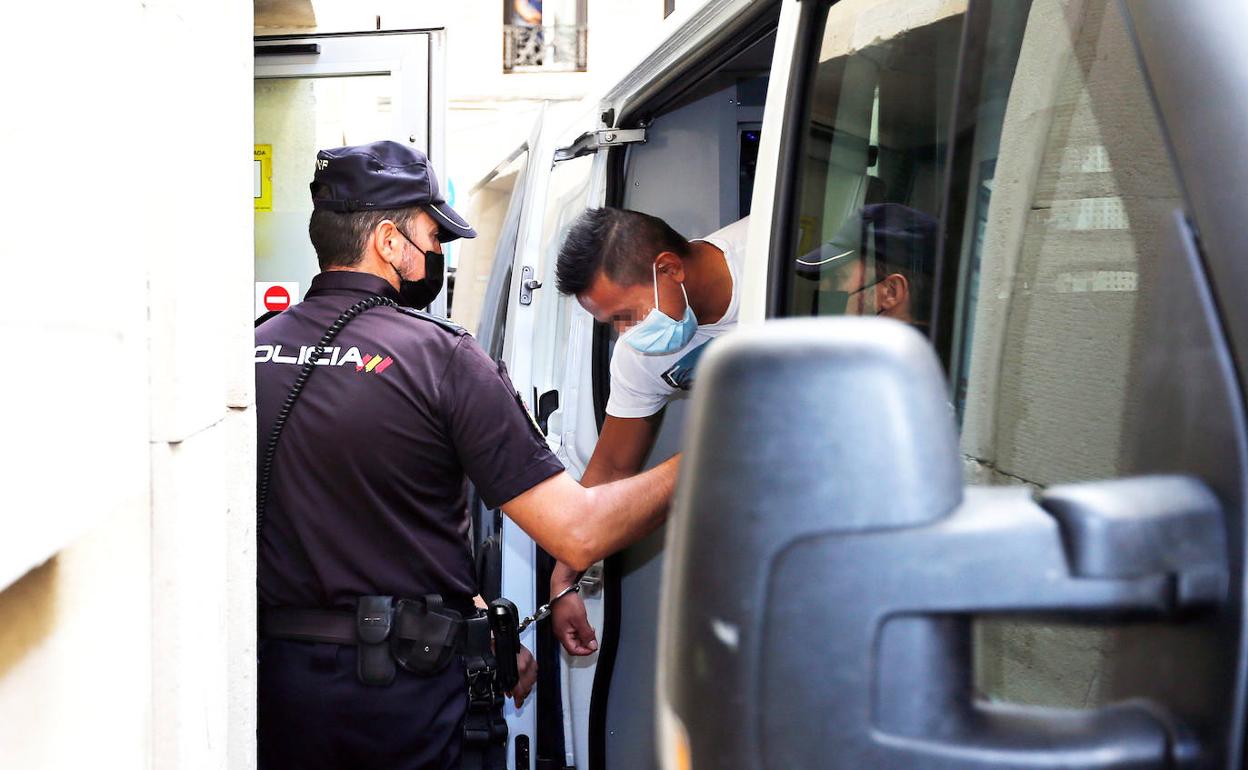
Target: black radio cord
{"points": [[270, 450]]}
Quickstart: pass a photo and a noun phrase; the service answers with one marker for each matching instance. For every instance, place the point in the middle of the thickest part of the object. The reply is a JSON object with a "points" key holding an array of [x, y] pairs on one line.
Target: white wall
{"points": [[128, 467]]}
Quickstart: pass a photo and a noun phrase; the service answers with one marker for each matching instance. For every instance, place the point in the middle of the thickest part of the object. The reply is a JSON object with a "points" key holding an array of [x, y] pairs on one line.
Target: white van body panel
{"points": [[519, 554], [684, 44], [542, 356]]}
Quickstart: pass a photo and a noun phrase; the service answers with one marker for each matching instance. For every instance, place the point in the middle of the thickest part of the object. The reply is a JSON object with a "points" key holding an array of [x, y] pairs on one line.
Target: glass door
{"points": [[329, 91]]}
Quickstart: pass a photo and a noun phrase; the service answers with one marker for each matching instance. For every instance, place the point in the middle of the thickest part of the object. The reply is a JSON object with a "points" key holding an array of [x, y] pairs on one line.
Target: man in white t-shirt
{"points": [[666, 297]]}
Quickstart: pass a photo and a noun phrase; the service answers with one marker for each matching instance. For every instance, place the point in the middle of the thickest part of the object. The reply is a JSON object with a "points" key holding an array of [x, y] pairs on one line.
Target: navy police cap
{"points": [[383, 175], [897, 235]]}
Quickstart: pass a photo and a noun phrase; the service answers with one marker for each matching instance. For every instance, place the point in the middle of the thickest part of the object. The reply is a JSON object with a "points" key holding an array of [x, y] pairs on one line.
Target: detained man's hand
{"points": [[571, 625], [528, 676]]}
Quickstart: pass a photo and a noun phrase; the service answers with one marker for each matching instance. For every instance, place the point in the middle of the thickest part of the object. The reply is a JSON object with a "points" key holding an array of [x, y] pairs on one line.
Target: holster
{"points": [[427, 635]]}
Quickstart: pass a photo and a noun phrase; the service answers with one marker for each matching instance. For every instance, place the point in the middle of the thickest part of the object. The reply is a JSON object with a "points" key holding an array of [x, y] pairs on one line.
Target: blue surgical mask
{"points": [[658, 334]]}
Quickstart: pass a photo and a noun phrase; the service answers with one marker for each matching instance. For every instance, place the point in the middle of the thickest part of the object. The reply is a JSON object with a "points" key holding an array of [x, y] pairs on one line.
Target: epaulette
{"points": [[445, 323]]}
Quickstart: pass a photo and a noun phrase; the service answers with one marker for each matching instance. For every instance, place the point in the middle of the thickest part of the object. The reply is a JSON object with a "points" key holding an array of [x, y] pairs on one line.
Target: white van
{"points": [[1071, 152]]}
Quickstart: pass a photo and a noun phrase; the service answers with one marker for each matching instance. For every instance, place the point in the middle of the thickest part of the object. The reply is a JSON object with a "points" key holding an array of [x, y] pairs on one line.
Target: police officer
{"points": [[365, 570]]}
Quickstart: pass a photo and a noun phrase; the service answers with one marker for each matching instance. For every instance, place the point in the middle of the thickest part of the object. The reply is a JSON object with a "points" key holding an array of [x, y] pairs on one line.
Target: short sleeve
{"points": [[498, 444], [635, 391]]}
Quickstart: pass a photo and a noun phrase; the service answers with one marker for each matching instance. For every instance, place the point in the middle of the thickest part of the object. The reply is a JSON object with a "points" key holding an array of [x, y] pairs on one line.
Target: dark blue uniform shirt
{"points": [[368, 486]]}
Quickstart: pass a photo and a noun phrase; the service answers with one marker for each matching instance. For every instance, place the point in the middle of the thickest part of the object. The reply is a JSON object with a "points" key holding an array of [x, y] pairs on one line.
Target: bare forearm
{"points": [[611, 507], [562, 576], [620, 513], [619, 456], [596, 474]]}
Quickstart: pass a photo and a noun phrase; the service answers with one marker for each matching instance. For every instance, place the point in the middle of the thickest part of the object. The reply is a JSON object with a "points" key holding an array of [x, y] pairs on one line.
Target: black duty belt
{"points": [[422, 636], [325, 626]]}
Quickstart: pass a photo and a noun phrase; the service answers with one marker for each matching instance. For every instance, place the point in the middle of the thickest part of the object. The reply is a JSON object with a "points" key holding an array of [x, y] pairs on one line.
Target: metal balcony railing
{"points": [[554, 48]]}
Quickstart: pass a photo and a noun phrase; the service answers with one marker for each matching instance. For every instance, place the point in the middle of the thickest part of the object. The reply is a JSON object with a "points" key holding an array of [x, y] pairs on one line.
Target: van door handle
{"points": [[547, 404]]}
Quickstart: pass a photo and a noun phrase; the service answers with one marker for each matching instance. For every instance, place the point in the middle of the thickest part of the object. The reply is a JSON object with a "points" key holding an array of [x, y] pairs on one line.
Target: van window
{"points": [[494, 210], [1071, 197], [872, 164], [1071, 192], [566, 197]]}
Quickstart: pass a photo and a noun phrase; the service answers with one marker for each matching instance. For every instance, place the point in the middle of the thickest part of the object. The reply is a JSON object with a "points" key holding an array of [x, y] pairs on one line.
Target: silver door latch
{"points": [[591, 581], [528, 285]]}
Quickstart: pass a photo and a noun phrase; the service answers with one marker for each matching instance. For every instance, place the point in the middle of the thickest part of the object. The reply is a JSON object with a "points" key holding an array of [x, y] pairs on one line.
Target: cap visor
{"points": [[453, 225], [818, 262]]}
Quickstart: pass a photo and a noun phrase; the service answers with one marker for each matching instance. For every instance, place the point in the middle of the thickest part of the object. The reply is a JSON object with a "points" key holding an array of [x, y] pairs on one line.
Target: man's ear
{"points": [[387, 242], [671, 265], [893, 291]]}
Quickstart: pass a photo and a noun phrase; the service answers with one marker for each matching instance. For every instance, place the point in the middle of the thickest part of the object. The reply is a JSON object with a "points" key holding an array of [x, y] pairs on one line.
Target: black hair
{"points": [[618, 243], [341, 237]]}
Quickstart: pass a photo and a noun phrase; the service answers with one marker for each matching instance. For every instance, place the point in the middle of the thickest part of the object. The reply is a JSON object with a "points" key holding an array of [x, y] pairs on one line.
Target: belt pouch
{"points": [[424, 641], [505, 624], [374, 616]]}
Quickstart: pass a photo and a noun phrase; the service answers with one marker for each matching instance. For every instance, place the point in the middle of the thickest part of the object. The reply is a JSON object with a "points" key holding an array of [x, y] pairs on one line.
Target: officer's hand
{"points": [[528, 676], [571, 625]]}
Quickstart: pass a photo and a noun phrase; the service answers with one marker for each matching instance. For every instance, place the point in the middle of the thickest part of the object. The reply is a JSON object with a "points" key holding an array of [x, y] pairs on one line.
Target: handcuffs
{"points": [[544, 611]]}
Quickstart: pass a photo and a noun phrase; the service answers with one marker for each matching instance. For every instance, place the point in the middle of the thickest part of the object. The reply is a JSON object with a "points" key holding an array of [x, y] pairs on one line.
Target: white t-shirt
{"points": [[642, 384]]}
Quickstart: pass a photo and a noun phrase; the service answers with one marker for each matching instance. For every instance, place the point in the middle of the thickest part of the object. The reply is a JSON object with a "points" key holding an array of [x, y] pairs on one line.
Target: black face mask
{"points": [[837, 302], [420, 294]]}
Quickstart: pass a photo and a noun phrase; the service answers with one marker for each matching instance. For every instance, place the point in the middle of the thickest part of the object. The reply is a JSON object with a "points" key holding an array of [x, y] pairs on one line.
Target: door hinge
{"points": [[592, 141]]}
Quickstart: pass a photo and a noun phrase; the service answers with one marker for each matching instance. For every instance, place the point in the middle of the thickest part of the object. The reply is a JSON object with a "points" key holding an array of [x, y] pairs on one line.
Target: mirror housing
{"points": [[787, 417]]}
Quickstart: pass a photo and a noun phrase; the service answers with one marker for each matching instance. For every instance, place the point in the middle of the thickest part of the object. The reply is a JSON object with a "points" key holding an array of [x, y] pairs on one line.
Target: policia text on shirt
{"points": [[364, 553]]}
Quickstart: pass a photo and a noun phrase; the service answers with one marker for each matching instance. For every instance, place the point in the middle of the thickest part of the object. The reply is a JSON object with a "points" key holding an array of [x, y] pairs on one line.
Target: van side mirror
{"points": [[798, 429], [822, 499]]}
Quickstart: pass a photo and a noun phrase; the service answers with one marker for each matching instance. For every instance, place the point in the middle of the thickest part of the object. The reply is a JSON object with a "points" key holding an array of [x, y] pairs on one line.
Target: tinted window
{"points": [[872, 163], [1071, 192], [494, 208], [1070, 197]]}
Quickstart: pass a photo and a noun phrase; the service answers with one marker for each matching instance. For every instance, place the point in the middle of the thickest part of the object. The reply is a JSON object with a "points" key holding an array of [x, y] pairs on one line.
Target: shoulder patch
{"points": [[445, 323]]}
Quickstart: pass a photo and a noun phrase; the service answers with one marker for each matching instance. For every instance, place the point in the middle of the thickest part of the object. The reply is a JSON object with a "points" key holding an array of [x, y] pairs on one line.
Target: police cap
{"points": [[383, 175], [897, 235]]}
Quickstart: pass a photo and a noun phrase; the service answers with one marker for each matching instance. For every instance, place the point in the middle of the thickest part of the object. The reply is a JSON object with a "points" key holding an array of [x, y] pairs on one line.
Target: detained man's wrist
{"points": [[560, 581]]}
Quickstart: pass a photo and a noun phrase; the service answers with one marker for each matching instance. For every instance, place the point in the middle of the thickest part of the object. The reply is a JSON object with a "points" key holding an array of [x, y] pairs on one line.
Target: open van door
{"points": [[1005, 529], [542, 338]]}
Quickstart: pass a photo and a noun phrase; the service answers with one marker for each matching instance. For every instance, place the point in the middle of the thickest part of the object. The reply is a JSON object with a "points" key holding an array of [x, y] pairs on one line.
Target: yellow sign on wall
{"points": [[262, 177]]}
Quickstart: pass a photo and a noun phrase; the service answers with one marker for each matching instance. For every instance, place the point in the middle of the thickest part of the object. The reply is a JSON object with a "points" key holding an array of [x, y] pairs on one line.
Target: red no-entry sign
{"points": [[276, 298], [275, 295]]}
